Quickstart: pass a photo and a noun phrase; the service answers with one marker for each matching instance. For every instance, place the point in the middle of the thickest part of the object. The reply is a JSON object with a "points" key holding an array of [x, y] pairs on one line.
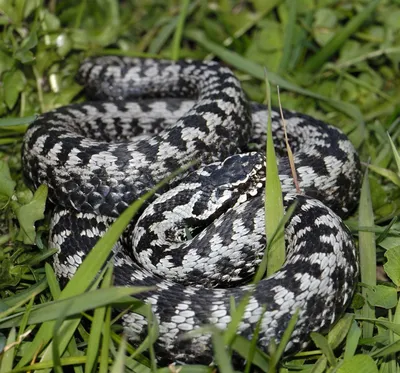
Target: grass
{"points": [[338, 61]]}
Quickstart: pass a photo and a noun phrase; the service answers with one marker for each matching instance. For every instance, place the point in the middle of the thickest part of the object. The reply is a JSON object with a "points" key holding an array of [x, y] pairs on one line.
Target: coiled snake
{"points": [[153, 117]]}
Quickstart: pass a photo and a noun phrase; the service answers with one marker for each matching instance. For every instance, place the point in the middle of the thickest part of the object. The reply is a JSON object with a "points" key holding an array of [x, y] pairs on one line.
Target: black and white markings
{"points": [[98, 157]]}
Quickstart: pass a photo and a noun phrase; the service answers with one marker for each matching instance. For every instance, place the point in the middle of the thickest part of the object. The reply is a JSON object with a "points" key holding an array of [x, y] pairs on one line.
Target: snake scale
{"points": [[200, 239]]}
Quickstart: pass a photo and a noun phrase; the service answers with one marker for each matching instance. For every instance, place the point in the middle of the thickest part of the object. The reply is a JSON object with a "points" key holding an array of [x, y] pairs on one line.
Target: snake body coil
{"points": [[100, 156]]}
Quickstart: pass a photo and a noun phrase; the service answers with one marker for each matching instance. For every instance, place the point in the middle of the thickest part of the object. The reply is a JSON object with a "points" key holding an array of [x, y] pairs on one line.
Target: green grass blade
{"points": [[99, 254], [105, 343], [24, 321], [74, 305], [237, 313], [119, 363], [97, 326], [24, 296], [387, 350], [273, 201], [284, 340], [57, 342], [7, 357], [322, 343], [176, 42], [9, 312], [253, 344], [66, 361], [367, 251], [244, 347], [52, 281], [395, 154], [222, 357], [388, 174], [263, 265], [396, 320], [6, 122], [319, 58], [137, 367], [352, 340]]}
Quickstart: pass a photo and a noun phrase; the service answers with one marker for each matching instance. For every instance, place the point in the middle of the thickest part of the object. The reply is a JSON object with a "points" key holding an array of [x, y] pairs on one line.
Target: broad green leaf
{"points": [[320, 365], [322, 343], [14, 82], [30, 213], [9, 9], [24, 56], [10, 274], [31, 41], [392, 265], [382, 296], [340, 330], [30, 6], [356, 362], [7, 184], [324, 25]]}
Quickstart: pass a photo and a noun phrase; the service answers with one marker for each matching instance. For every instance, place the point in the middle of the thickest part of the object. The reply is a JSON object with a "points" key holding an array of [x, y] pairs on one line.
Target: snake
{"points": [[200, 239]]}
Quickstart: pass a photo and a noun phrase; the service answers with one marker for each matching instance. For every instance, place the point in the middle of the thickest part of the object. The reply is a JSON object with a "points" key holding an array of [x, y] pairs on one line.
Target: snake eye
{"points": [[177, 235]]}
